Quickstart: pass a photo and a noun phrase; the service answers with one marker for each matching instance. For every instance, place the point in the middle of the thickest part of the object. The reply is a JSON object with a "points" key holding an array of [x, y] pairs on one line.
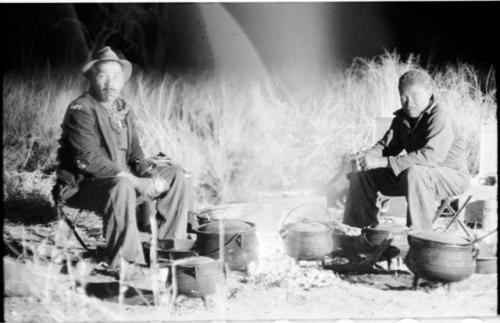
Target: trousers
{"points": [[115, 199], [422, 186]]}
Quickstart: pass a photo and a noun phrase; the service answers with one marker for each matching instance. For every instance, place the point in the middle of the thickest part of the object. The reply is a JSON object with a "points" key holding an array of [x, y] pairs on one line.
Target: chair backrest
{"points": [[488, 149]]}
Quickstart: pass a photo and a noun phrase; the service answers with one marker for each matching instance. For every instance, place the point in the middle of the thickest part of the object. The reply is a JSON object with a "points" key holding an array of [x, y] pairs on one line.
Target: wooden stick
{"points": [[153, 258]]}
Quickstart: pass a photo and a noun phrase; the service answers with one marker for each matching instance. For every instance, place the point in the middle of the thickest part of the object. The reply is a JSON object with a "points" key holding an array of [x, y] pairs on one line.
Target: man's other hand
{"points": [[369, 161]]}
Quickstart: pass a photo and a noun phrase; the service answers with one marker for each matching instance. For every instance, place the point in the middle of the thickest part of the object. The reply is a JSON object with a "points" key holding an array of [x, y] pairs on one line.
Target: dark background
{"points": [[166, 37]]}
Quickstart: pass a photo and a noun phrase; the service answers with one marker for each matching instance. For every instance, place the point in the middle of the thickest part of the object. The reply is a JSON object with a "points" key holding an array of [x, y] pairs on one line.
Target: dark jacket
{"points": [[434, 140], [87, 145]]}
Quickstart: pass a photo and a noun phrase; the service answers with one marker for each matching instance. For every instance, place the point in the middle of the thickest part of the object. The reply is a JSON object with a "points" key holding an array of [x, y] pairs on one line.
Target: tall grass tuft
{"points": [[241, 136]]}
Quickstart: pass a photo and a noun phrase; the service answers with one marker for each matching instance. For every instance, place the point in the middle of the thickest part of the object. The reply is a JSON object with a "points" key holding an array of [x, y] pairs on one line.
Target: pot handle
{"points": [[481, 238], [299, 207], [239, 240], [363, 235], [238, 237], [475, 252]]}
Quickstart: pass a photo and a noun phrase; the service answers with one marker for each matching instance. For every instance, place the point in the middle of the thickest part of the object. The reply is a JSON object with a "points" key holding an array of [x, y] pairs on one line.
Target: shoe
{"points": [[102, 268], [165, 244]]}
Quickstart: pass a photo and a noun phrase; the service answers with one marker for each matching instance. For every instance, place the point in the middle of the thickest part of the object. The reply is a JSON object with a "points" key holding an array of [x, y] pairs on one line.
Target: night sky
{"points": [[165, 37]]}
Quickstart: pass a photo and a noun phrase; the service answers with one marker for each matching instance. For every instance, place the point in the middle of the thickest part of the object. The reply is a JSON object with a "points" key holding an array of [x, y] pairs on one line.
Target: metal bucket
{"points": [[482, 214], [486, 265], [306, 239]]}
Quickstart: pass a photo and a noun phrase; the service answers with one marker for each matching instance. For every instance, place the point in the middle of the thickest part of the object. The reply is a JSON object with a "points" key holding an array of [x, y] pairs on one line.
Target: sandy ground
{"points": [[279, 288]]}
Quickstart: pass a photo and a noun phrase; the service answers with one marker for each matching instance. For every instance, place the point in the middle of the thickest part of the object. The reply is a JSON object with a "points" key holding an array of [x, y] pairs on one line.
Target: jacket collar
{"points": [[428, 110], [406, 120]]}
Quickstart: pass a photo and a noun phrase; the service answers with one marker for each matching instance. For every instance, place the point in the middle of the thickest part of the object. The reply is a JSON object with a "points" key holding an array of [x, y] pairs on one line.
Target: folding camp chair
{"points": [[62, 214]]}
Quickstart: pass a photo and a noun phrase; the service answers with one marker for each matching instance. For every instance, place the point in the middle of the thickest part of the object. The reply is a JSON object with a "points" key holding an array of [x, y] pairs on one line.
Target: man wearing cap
{"points": [[102, 166], [433, 167]]}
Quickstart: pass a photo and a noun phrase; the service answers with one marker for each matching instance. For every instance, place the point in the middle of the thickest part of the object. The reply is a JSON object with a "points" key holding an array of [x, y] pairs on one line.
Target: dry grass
{"points": [[240, 136]]}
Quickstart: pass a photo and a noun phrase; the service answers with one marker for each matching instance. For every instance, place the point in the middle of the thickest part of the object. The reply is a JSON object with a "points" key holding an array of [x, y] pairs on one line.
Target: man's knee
{"points": [[415, 174], [178, 174], [122, 185]]}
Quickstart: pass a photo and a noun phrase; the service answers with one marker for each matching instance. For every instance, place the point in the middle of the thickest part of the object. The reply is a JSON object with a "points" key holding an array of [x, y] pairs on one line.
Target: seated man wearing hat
{"points": [[433, 167], [102, 166]]}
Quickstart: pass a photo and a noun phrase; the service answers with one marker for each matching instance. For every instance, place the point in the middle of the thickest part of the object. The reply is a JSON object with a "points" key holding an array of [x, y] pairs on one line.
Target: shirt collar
{"points": [[121, 107]]}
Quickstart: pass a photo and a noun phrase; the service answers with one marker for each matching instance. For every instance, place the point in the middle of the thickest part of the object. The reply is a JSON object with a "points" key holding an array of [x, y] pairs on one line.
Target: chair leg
{"points": [[444, 206], [457, 213], [62, 215], [447, 207]]}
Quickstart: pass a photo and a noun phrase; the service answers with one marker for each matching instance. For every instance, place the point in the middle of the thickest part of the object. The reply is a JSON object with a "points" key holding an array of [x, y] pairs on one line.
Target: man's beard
{"points": [[108, 95]]}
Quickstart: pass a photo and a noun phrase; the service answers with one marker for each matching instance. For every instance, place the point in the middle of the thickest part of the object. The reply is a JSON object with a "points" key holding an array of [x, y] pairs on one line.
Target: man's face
{"points": [[414, 99], [107, 81]]}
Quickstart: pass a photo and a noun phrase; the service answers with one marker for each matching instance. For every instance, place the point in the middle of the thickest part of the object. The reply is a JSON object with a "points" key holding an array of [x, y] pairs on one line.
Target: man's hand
{"points": [[150, 187], [158, 187], [369, 161]]}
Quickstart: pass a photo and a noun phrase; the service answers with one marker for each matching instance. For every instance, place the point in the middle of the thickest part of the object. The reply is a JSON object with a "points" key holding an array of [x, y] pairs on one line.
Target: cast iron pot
{"points": [[194, 276], [240, 244], [306, 239], [343, 240], [440, 256], [375, 235]]}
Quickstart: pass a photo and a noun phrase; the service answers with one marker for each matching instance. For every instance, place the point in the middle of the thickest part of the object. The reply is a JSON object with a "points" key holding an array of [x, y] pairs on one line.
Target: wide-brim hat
{"points": [[107, 54]]}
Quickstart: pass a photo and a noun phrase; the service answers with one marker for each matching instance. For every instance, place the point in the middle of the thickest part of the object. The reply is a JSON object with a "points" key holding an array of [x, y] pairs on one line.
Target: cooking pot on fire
{"points": [[376, 234], [238, 239], [307, 239], [441, 256]]}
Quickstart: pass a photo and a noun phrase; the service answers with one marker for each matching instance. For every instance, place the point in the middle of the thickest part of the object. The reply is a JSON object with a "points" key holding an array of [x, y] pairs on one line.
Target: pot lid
{"points": [[223, 211], [443, 237], [230, 226], [308, 226], [195, 260]]}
